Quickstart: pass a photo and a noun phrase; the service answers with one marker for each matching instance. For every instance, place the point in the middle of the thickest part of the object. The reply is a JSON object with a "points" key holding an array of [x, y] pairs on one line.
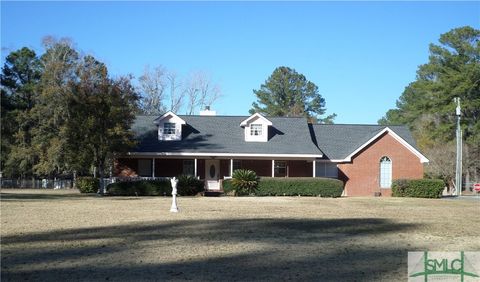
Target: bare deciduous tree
{"points": [[163, 90], [200, 91], [153, 85], [191, 91], [176, 96], [442, 162]]}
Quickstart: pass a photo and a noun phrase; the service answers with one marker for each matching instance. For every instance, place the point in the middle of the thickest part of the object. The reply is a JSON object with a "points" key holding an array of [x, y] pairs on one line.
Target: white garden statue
{"points": [[174, 182]]}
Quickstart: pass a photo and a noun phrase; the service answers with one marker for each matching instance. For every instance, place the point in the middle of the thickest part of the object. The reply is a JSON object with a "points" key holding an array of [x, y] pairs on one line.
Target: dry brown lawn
{"points": [[65, 236]]}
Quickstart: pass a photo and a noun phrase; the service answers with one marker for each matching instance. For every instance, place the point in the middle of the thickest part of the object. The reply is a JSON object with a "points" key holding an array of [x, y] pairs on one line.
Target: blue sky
{"points": [[361, 55]]}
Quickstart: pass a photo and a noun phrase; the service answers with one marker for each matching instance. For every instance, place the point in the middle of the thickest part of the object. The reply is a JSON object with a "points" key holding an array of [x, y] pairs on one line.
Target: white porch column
{"points": [[273, 168], [195, 167], [231, 167], [314, 168], [153, 167]]}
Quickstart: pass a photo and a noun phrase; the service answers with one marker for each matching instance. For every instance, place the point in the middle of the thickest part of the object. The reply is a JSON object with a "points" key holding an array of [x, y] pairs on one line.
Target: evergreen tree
{"points": [[288, 93], [427, 106], [19, 80]]}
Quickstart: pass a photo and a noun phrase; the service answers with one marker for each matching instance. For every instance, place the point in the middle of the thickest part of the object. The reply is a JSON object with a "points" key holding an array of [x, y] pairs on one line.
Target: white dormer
{"points": [[256, 128], [169, 127]]}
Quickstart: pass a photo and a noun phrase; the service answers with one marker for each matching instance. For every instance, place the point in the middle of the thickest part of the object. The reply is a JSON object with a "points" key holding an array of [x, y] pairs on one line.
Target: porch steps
{"points": [[212, 193]]}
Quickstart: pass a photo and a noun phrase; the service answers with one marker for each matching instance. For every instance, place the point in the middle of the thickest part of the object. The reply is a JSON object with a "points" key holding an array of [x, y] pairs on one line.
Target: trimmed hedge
{"points": [[292, 186], [87, 184], [418, 188], [189, 186], [140, 188]]}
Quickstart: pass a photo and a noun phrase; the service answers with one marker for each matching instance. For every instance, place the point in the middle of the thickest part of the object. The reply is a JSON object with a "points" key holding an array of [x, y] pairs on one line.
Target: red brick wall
{"points": [[362, 175], [300, 169]]}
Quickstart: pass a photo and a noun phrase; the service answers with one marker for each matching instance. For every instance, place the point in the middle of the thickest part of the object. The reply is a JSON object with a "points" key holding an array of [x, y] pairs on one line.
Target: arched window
{"points": [[385, 172]]}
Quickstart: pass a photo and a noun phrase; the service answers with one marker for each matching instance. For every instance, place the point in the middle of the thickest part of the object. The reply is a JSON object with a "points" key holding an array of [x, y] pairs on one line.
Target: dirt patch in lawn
{"points": [[63, 235]]}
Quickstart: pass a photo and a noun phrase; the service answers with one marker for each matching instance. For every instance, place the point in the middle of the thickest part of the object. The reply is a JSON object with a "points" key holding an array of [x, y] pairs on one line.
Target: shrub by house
{"points": [[418, 188], [189, 186], [300, 186], [140, 188], [87, 184]]}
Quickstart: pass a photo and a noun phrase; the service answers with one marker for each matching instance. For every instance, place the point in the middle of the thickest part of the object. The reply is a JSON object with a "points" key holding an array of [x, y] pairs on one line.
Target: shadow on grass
{"points": [[266, 249], [51, 195], [47, 195]]}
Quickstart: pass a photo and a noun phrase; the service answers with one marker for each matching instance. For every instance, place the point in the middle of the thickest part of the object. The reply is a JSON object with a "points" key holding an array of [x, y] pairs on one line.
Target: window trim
{"points": [[168, 127], [258, 129], [385, 177]]}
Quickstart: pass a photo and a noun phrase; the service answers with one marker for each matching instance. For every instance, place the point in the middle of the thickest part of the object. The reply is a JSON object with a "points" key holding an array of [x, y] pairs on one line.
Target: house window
{"points": [[237, 164], [145, 168], [385, 172], [169, 128], [256, 129], [326, 169], [280, 169], [188, 167]]}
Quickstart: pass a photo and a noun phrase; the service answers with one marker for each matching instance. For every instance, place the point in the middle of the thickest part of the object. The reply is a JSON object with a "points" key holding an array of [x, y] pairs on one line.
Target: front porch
{"points": [[212, 170]]}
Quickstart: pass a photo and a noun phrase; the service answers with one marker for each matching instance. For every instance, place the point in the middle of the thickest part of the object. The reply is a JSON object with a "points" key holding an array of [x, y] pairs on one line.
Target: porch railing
{"points": [[131, 179]]}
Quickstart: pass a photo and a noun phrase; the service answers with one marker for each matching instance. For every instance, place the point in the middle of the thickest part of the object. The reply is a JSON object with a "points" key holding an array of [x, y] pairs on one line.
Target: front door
{"points": [[212, 172]]}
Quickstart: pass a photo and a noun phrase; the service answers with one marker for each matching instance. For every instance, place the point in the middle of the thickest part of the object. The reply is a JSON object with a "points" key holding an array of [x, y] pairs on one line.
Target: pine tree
{"points": [[19, 80], [426, 105], [288, 93]]}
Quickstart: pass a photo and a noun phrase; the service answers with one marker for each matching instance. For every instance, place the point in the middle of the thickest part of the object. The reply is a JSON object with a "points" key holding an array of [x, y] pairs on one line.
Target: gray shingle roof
{"points": [[223, 134], [337, 141]]}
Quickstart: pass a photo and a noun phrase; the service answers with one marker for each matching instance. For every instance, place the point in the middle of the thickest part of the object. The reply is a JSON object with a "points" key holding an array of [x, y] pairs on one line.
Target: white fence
{"points": [[130, 179], [36, 183], [61, 183]]}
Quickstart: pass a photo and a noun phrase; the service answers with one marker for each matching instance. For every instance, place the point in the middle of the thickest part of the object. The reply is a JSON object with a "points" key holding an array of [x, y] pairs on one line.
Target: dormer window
{"points": [[256, 129], [169, 128]]}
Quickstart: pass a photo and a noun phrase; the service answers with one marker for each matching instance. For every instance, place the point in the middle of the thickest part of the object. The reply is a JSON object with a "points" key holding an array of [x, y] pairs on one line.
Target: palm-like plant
{"points": [[244, 181]]}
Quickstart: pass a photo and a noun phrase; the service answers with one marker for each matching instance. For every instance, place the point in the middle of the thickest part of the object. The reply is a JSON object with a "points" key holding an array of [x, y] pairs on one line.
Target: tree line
{"points": [[427, 106]]}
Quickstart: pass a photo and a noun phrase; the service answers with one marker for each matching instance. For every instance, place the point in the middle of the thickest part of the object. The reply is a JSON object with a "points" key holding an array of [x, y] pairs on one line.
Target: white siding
{"points": [[263, 137], [162, 135]]}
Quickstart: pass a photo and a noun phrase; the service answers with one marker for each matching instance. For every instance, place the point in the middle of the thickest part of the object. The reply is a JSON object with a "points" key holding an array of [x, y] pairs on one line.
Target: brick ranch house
{"points": [[365, 157]]}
